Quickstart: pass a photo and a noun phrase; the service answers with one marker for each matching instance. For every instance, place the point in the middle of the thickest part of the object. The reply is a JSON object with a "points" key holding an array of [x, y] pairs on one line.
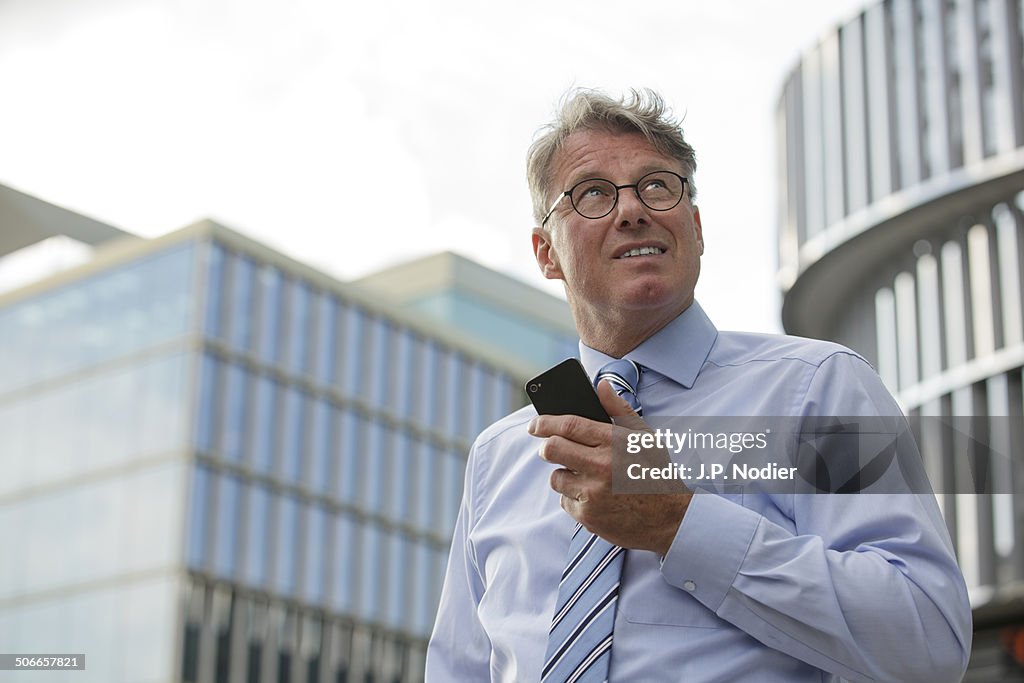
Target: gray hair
{"points": [[641, 111]]}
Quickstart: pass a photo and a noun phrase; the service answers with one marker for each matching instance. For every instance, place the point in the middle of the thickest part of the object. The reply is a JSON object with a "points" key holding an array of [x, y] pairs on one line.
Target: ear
{"points": [[698, 230], [545, 254]]}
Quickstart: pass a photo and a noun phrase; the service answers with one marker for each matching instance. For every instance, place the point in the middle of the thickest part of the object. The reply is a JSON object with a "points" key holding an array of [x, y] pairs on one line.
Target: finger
{"points": [[569, 454], [572, 427], [614, 405], [569, 505], [563, 481], [569, 485], [618, 408]]}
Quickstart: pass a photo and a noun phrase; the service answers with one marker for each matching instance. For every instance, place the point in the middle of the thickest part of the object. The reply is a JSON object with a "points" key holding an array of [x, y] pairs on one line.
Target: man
{"points": [[749, 587]]}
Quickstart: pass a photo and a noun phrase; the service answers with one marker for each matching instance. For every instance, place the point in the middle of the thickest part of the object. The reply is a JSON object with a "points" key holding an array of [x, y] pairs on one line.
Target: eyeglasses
{"points": [[596, 197]]}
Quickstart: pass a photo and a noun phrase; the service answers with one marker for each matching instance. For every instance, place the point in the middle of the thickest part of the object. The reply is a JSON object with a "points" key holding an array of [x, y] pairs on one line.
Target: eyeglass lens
{"points": [[595, 198]]}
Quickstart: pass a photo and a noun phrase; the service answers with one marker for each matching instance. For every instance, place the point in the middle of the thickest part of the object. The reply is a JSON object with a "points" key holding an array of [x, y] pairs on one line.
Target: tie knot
{"points": [[624, 376]]}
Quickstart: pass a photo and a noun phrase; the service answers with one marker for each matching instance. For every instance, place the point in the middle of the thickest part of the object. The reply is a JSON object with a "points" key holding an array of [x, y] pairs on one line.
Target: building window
{"points": [[428, 395], [270, 284], [980, 272], [422, 601], [906, 329], [293, 435], [345, 564], [477, 409], [298, 328], [377, 386], [905, 85], [285, 545], [814, 133], [929, 304], [405, 374], [353, 349], [374, 457], [200, 517], [451, 394], [349, 454], [265, 424], [428, 467], [315, 542], [854, 115], [212, 325], [226, 539], [321, 440], [1010, 284], [257, 533], [326, 339], [190, 654], [986, 79], [236, 401], [206, 406], [399, 493], [954, 305], [397, 570], [109, 315], [373, 577], [310, 647], [240, 321], [453, 469], [877, 42]]}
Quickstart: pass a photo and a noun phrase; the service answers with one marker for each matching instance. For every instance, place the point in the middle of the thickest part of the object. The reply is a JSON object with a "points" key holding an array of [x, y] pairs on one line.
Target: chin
{"points": [[654, 298], [652, 291]]}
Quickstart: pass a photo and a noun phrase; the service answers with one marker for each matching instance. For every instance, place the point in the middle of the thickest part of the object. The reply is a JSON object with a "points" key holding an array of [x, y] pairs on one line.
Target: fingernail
{"points": [[532, 427]]}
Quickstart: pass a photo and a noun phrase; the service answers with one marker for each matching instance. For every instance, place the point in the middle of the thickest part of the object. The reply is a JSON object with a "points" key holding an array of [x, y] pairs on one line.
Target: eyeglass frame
{"points": [[635, 186]]}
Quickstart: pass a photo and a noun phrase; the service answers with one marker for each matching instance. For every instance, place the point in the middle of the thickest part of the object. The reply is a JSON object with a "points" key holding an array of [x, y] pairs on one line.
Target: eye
{"points": [[594, 197], [654, 184], [593, 191]]}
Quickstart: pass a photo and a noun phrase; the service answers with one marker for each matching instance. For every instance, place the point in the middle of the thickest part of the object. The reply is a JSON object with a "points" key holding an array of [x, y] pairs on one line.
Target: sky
{"points": [[356, 136]]}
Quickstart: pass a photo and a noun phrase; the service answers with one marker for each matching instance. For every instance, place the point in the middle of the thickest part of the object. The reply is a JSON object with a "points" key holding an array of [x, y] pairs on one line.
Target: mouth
{"points": [[641, 251]]}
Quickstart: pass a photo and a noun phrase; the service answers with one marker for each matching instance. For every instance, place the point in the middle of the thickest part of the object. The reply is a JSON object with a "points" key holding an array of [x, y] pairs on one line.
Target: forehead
{"points": [[618, 156]]}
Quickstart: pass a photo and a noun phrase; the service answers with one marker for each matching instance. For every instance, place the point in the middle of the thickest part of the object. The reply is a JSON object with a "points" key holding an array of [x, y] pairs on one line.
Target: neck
{"points": [[616, 333]]}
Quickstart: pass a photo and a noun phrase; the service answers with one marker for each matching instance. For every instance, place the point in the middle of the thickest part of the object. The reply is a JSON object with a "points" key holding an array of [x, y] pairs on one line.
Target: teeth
{"points": [[643, 251]]}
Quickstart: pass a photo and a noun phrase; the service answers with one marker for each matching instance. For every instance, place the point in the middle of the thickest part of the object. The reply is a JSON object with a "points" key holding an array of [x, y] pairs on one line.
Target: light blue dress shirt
{"points": [[756, 587]]}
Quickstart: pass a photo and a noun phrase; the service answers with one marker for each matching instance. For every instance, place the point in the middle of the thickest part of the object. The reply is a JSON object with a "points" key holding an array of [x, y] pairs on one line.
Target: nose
{"points": [[630, 211]]}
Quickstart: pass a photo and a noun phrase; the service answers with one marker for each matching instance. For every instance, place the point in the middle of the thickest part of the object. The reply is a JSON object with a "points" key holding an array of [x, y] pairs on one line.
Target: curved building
{"points": [[901, 170]]}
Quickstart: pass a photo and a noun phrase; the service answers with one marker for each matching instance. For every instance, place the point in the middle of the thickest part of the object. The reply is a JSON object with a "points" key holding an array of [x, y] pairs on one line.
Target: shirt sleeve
{"points": [[861, 585], [459, 649]]}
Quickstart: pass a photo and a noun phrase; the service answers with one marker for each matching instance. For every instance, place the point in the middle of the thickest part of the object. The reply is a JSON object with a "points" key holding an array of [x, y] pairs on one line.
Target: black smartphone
{"points": [[565, 389]]}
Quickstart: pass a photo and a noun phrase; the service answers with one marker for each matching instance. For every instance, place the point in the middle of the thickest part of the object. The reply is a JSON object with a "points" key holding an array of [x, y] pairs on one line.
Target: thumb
{"points": [[613, 404]]}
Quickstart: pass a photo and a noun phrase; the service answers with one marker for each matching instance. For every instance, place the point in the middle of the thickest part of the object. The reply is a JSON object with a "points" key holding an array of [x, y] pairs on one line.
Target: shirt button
{"points": [[690, 586]]}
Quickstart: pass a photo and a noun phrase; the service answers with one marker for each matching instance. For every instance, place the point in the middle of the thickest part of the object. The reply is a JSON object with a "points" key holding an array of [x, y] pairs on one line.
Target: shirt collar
{"points": [[677, 350]]}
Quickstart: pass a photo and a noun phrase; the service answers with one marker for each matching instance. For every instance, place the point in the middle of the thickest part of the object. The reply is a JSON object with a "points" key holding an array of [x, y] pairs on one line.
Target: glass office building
{"points": [[497, 310], [221, 465], [901, 160]]}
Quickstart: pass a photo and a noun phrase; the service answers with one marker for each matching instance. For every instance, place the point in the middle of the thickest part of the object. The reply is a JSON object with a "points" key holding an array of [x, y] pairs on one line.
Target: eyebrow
{"points": [[577, 178]]}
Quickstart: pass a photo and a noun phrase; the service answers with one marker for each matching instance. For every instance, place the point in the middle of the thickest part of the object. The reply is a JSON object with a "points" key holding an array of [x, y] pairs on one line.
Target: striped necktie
{"points": [[580, 641]]}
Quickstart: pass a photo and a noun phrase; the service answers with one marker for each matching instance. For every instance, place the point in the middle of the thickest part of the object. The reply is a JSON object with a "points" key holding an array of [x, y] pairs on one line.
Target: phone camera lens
{"points": [[533, 388]]}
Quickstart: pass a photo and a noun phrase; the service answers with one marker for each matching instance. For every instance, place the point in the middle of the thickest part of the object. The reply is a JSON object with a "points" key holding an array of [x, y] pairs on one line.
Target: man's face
{"points": [[601, 282]]}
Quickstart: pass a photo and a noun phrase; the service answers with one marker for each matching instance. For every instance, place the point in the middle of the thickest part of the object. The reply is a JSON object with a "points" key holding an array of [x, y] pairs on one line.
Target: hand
{"points": [[584, 449]]}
